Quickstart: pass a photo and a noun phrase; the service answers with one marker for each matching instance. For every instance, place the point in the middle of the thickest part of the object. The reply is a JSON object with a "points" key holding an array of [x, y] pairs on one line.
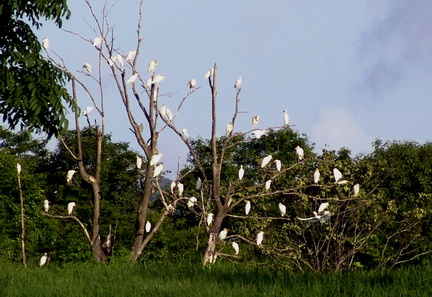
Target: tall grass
{"points": [[163, 279]]}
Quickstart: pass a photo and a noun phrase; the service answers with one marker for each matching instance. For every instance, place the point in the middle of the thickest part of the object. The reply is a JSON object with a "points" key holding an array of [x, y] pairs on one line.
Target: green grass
{"points": [[121, 279]]}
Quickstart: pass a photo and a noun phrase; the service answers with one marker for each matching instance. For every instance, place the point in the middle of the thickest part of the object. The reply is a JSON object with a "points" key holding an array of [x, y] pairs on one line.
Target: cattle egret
{"points": [[223, 234], [43, 260], [120, 59], [259, 238], [267, 185], [138, 162], [247, 207], [282, 209], [180, 189], [356, 190], [286, 117], [241, 172], [192, 83], [112, 60], [325, 217], [166, 113], [238, 82], [266, 160], [185, 133], [229, 128], [255, 120], [323, 206], [236, 247], [140, 128], [158, 170], [209, 219], [45, 43], [191, 202], [70, 175], [148, 83], [148, 226], [158, 78], [338, 177], [130, 55], [258, 133], [18, 166], [299, 153], [87, 110], [172, 186], [155, 159], [87, 67], [209, 73], [316, 176], [152, 65], [46, 205], [198, 184], [71, 206], [132, 79], [97, 42], [278, 165]]}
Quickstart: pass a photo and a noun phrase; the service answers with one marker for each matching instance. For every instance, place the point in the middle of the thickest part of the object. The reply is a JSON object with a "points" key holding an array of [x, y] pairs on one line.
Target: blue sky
{"points": [[348, 72]]}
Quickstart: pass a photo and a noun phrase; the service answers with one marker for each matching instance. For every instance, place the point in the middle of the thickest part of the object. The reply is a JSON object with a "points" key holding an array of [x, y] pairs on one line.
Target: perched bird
{"points": [[316, 176], [325, 217], [192, 83], [130, 55], [155, 159], [43, 260], [247, 207], [148, 226], [236, 247], [286, 117], [120, 60], [168, 113], [229, 128], [255, 120], [132, 79], [238, 82], [152, 65], [198, 184], [97, 42], [45, 43], [70, 175], [112, 61], [266, 160], [209, 218], [172, 186], [278, 165], [191, 202], [257, 134], [299, 153], [158, 170], [46, 205], [185, 133], [209, 73], [323, 206], [282, 209], [87, 67], [338, 177], [87, 110], [180, 188], [259, 238], [223, 234], [356, 190], [158, 78], [241, 172], [71, 206], [138, 162], [267, 185], [18, 166]]}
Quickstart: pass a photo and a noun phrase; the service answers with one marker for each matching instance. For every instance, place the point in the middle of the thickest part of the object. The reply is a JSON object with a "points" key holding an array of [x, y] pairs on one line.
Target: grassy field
{"points": [[121, 279]]}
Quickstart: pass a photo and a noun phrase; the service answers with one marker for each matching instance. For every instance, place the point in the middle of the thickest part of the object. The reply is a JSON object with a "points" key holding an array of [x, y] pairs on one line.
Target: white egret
{"points": [[155, 159], [356, 190], [46, 205], [70, 175], [267, 185], [238, 82], [325, 217], [158, 78], [112, 61], [191, 202], [141, 128], [162, 110], [266, 160], [236, 247], [152, 65], [138, 162], [259, 238], [172, 186], [323, 206], [180, 188], [338, 177], [130, 55], [255, 120], [229, 128], [241, 172], [247, 207], [18, 166], [185, 133], [132, 79], [299, 153], [286, 117], [209, 219], [148, 83], [45, 43], [120, 60], [198, 184], [192, 83], [278, 165], [223, 234], [43, 260], [316, 176], [87, 67], [209, 73], [97, 42], [148, 226], [258, 133], [282, 209], [158, 170], [71, 206], [168, 113], [87, 110]]}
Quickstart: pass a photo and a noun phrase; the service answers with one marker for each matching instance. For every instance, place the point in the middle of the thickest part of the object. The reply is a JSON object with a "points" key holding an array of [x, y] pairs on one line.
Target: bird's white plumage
{"points": [[236, 247], [278, 165], [87, 110], [209, 73], [229, 128], [282, 209], [260, 238], [155, 159], [198, 184], [148, 226], [138, 162], [192, 83], [286, 117], [45, 43], [325, 217], [158, 170], [223, 234], [87, 67], [70, 175], [132, 79], [46, 205], [267, 185], [185, 133], [255, 120], [158, 78], [266, 160], [209, 219], [257, 134], [356, 190], [120, 60], [152, 65], [191, 202], [323, 206], [167, 114], [241, 172], [43, 260], [316, 176], [337, 175], [172, 186], [299, 153], [247, 207], [130, 55], [180, 189], [97, 42], [18, 166], [71, 206], [238, 82]]}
